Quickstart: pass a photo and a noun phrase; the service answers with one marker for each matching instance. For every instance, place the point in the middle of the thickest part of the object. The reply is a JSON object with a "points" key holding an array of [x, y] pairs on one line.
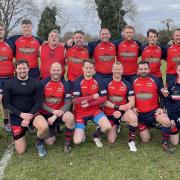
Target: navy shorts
{"points": [[52, 127], [34, 73], [2, 82], [176, 117], [148, 119], [113, 120]]}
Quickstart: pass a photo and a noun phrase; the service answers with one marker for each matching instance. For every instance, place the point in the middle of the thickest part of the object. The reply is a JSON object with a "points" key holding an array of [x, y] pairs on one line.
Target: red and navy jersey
{"points": [[6, 59], [118, 93], [147, 91], [55, 93], [82, 88], [173, 100], [173, 57], [75, 57], [153, 54], [49, 56], [27, 48], [104, 55], [128, 53]]}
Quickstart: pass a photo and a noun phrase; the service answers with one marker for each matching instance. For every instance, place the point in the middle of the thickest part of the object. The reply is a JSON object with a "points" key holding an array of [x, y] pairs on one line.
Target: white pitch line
{"points": [[5, 159]]}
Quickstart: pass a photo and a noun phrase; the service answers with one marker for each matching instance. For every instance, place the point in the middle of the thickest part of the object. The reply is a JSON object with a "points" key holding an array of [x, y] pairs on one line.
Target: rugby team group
{"points": [[43, 84]]}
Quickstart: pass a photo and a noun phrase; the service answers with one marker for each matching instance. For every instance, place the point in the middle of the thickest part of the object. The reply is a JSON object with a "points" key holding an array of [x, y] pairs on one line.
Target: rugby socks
{"points": [[132, 133], [39, 141], [68, 133], [97, 133], [165, 134]]}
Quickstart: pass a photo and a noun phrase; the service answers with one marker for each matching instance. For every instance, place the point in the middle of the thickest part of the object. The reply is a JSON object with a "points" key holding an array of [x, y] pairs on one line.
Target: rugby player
{"points": [[89, 94], [118, 106], [147, 89], [128, 51], [27, 47], [6, 69], [23, 98], [56, 105], [51, 52]]}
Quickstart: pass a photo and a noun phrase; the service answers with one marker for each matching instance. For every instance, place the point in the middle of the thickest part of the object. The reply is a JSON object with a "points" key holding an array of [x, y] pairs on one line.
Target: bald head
{"points": [[55, 71]]}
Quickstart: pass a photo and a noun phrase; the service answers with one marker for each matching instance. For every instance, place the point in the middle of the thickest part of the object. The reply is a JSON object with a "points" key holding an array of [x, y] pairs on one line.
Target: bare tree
{"points": [[13, 11], [168, 23]]}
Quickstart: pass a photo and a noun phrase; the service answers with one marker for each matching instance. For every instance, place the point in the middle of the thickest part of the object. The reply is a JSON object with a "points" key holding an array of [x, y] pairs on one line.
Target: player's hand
{"points": [[85, 104], [165, 92], [70, 42], [136, 111], [96, 96], [25, 123], [26, 116], [116, 114], [124, 107], [173, 123], [58, 113], [51, 119], [159, 111]]}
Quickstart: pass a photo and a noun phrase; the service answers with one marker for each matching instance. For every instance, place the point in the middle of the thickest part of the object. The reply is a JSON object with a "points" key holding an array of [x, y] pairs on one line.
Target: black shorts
{"points": [[113, 120], [147, 119], [54, 125]]}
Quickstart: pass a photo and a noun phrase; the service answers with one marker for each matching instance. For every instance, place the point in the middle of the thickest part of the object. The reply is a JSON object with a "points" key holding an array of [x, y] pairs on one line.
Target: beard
{"points": [[144, 75]]}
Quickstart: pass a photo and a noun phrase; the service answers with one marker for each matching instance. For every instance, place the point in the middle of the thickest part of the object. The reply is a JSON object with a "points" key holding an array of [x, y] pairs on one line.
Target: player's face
{"points": [[143, 70], [22, 71], [178, 71], [152, 38], [105, 35], [88, 70], [128, 34], [53, 39], [177, 37], [55, 72], [26, 29], [78, 39], [2, 32], [117, 71]]}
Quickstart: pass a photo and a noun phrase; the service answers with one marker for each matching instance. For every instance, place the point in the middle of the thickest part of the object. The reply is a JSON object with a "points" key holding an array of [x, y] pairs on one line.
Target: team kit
{"points": [[46, 84]]}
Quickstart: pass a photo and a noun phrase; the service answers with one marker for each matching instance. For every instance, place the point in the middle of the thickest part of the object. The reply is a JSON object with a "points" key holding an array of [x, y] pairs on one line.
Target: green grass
{"points": [[111, 162]]}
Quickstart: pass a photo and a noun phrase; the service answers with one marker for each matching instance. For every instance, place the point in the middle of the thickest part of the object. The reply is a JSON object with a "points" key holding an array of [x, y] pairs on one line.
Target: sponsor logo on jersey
{"points": [[176, 59], [144, 96], [27, 50], [106, 58], [76, 60], [152, 60], [128, 54], [116, 98], [3, 58]]}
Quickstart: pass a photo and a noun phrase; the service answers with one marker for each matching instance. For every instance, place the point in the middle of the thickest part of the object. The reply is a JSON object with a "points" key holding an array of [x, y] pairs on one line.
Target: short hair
{"points": [[143, 62], [104, 28], [26, 21], [79, 32], [90, 61], [152, 31], [21, 61], [54, 31], [2, 25], [117, 63], [129, 27]]}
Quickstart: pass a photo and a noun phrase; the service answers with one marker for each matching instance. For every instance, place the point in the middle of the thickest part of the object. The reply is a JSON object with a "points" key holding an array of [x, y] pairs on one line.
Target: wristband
{"points": [[116, 107]]}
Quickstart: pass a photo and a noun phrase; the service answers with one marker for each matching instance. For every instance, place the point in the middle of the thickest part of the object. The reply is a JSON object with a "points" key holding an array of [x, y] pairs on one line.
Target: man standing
{"points": [[173, 56], [75, 56], [128, 51], [23, 98], [50, 53], [6, 69], [153, 53], [56, 106], [103, 53], [118, 106], [89, 94], [147, 89], [27, 47]]}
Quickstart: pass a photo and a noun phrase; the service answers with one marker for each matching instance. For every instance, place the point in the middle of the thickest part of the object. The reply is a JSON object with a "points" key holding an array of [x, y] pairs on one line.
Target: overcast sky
{"points": [[150, 13]]}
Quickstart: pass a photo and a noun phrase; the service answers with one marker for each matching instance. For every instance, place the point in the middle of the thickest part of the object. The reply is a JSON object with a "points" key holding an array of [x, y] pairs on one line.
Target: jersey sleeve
{"points": [[91, 47], [39, 40], [76, 89], [102, 89], [130, 91]]}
